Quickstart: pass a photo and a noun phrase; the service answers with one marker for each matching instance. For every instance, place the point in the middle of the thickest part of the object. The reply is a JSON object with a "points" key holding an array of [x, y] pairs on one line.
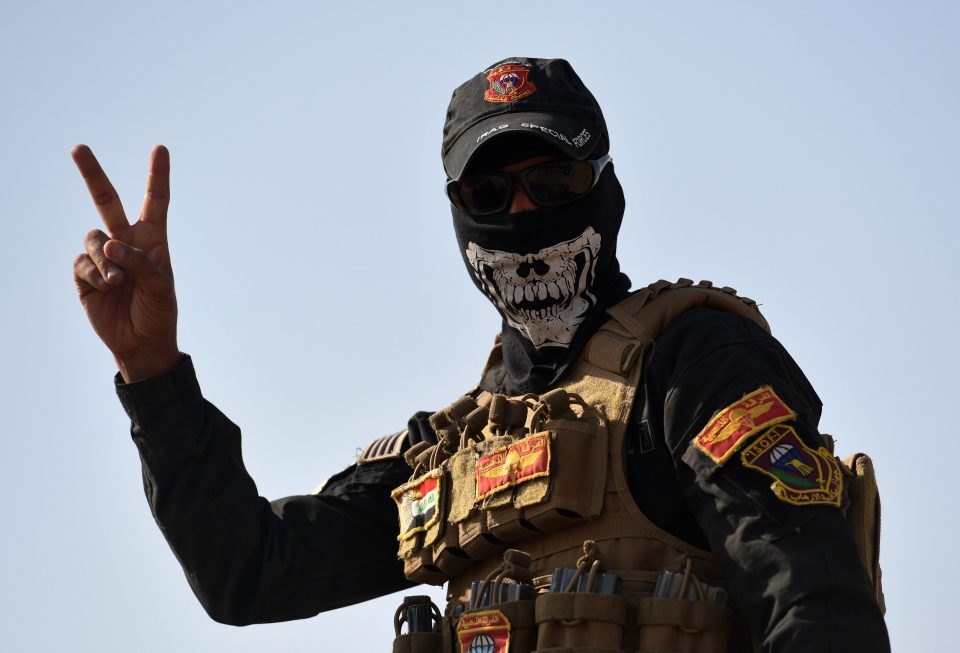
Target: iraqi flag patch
{"points": [[419, 503], [510, 466], [729, 428], [487, 631], [801, 475]]}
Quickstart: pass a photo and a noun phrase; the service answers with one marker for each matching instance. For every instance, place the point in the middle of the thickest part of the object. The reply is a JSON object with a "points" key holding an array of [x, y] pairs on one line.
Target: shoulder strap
{"points": [[642, 316]]}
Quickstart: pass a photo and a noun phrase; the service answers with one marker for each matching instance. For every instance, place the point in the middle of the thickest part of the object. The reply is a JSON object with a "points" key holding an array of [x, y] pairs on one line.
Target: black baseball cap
{"points": [[541, 97]]}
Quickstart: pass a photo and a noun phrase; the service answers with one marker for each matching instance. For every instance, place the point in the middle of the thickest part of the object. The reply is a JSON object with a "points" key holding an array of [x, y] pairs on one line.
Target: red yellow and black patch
{"points": [[509, 83], [729, 428], [801, 476]]}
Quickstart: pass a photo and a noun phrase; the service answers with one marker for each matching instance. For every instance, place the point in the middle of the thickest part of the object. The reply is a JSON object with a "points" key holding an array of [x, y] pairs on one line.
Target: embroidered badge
{"points": [[801, 476], [509, 83], [723, 434], [484, 632], [419, 503], [522, 461]]}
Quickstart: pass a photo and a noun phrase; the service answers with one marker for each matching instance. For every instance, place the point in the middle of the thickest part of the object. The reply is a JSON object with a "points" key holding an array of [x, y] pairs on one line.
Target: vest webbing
{"points": [[606, 376]]}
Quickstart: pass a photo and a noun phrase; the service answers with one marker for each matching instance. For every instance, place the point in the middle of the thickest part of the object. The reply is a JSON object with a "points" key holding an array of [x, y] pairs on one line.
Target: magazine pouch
{"points": [[423, 626], [690, 618], [500, 616], [577, 616], [578, 463]]}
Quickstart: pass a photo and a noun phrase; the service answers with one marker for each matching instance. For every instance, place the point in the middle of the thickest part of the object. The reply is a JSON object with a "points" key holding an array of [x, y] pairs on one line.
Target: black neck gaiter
{"points": [[551, 273]]}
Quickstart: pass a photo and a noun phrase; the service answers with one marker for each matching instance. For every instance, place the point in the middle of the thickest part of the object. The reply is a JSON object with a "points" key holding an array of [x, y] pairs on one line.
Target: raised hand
{"points": [[124, 276]]}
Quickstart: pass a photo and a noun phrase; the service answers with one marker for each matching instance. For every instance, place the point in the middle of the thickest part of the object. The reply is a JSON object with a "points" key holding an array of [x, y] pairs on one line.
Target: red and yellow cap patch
{"points": [[487, 631], [729, 428], [801, 475], [509, 83]]}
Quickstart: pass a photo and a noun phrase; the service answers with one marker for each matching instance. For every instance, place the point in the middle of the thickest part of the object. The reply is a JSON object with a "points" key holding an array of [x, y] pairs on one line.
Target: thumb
{"points": [[136, 262]]}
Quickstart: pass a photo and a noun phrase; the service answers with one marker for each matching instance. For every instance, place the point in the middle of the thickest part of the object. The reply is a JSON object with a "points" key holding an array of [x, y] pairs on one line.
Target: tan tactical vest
{"points": [[546, 475]]}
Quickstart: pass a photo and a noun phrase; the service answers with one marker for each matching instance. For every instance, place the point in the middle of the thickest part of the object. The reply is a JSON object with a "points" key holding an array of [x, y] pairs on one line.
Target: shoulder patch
{"points": [[729, 428], [389, 446], [801, 475]]}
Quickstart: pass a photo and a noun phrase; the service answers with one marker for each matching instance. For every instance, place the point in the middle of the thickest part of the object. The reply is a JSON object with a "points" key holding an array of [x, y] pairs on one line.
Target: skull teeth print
{"points": [[544, 295]]}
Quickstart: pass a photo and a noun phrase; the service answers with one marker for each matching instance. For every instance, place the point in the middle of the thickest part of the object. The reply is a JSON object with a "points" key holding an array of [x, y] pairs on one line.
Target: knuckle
{"points": [[94, 237], [103, 198], [85, 270]]}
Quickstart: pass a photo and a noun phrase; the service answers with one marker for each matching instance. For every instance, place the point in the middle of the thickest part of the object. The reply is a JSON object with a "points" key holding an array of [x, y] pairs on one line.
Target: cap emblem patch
{"points": [[509, 83]]}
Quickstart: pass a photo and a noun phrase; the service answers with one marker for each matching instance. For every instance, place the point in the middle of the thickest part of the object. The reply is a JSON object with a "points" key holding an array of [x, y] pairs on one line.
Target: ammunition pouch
{"points": [[415, 641], [570, 621], [682, 626], [540, 466]]}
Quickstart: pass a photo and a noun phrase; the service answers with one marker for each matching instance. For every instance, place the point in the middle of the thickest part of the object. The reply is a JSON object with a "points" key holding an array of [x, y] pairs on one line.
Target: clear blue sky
{"points": [[804, 153]]}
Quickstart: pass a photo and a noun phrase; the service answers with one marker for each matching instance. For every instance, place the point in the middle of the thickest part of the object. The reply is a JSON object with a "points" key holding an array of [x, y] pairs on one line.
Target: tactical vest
{"points": [[546, 475]]}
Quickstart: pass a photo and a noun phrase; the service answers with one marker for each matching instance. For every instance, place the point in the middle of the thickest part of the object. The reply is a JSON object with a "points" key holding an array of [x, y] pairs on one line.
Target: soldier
{"points": [[684, 410]]}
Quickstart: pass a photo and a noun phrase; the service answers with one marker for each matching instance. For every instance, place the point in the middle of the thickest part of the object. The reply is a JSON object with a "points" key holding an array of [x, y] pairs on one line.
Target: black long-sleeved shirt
{"points": [[793, 571]]}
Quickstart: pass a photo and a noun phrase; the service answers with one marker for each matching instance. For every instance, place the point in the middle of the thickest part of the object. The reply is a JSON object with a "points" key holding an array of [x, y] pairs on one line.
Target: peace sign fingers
{"points": [[104, 195]]}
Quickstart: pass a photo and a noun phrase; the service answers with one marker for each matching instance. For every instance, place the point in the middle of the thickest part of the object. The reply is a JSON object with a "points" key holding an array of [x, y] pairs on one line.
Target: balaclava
{"points": [[551, 272]]}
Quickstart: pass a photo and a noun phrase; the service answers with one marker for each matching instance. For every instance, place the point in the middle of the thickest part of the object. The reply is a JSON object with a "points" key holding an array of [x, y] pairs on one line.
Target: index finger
{"points": [[104, 196]]}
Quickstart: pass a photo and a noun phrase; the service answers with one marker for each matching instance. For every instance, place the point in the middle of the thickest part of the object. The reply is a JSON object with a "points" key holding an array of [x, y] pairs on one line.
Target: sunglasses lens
{"points": [[482, 194], [559, 182]]}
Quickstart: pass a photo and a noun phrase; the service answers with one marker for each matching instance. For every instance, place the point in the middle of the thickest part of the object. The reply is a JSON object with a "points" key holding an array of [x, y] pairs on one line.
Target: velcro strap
{"points": [[613, 353], [389, 446], [695, 615]]}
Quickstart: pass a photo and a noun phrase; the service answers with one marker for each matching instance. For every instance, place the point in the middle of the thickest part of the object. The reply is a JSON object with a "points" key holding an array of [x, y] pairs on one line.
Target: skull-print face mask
{"points": [[550, 273], [544, 295]]}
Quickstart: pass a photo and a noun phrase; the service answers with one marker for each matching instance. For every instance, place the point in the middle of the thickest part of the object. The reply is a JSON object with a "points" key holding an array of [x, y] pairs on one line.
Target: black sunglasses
{"points": [[548, 184]]}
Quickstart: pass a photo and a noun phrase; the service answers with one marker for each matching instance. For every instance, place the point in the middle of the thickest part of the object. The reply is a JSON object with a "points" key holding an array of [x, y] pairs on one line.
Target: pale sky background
{"points": [[803, 153]]}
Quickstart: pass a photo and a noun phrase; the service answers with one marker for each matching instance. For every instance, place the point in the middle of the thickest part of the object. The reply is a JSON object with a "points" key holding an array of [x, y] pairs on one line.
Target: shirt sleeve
{"points": [[247, 559], [793, 570]]}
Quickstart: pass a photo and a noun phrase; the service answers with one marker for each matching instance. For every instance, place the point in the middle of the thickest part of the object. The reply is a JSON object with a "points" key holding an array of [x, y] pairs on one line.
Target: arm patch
{"points": [[801, 475], [730, 428]]}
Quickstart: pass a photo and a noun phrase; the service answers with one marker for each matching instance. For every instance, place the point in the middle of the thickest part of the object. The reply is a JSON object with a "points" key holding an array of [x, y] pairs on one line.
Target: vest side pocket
{"points": [[448, 557], [580, 621], [680, 626], [577, 476], [419, 568], [475, 538]]}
